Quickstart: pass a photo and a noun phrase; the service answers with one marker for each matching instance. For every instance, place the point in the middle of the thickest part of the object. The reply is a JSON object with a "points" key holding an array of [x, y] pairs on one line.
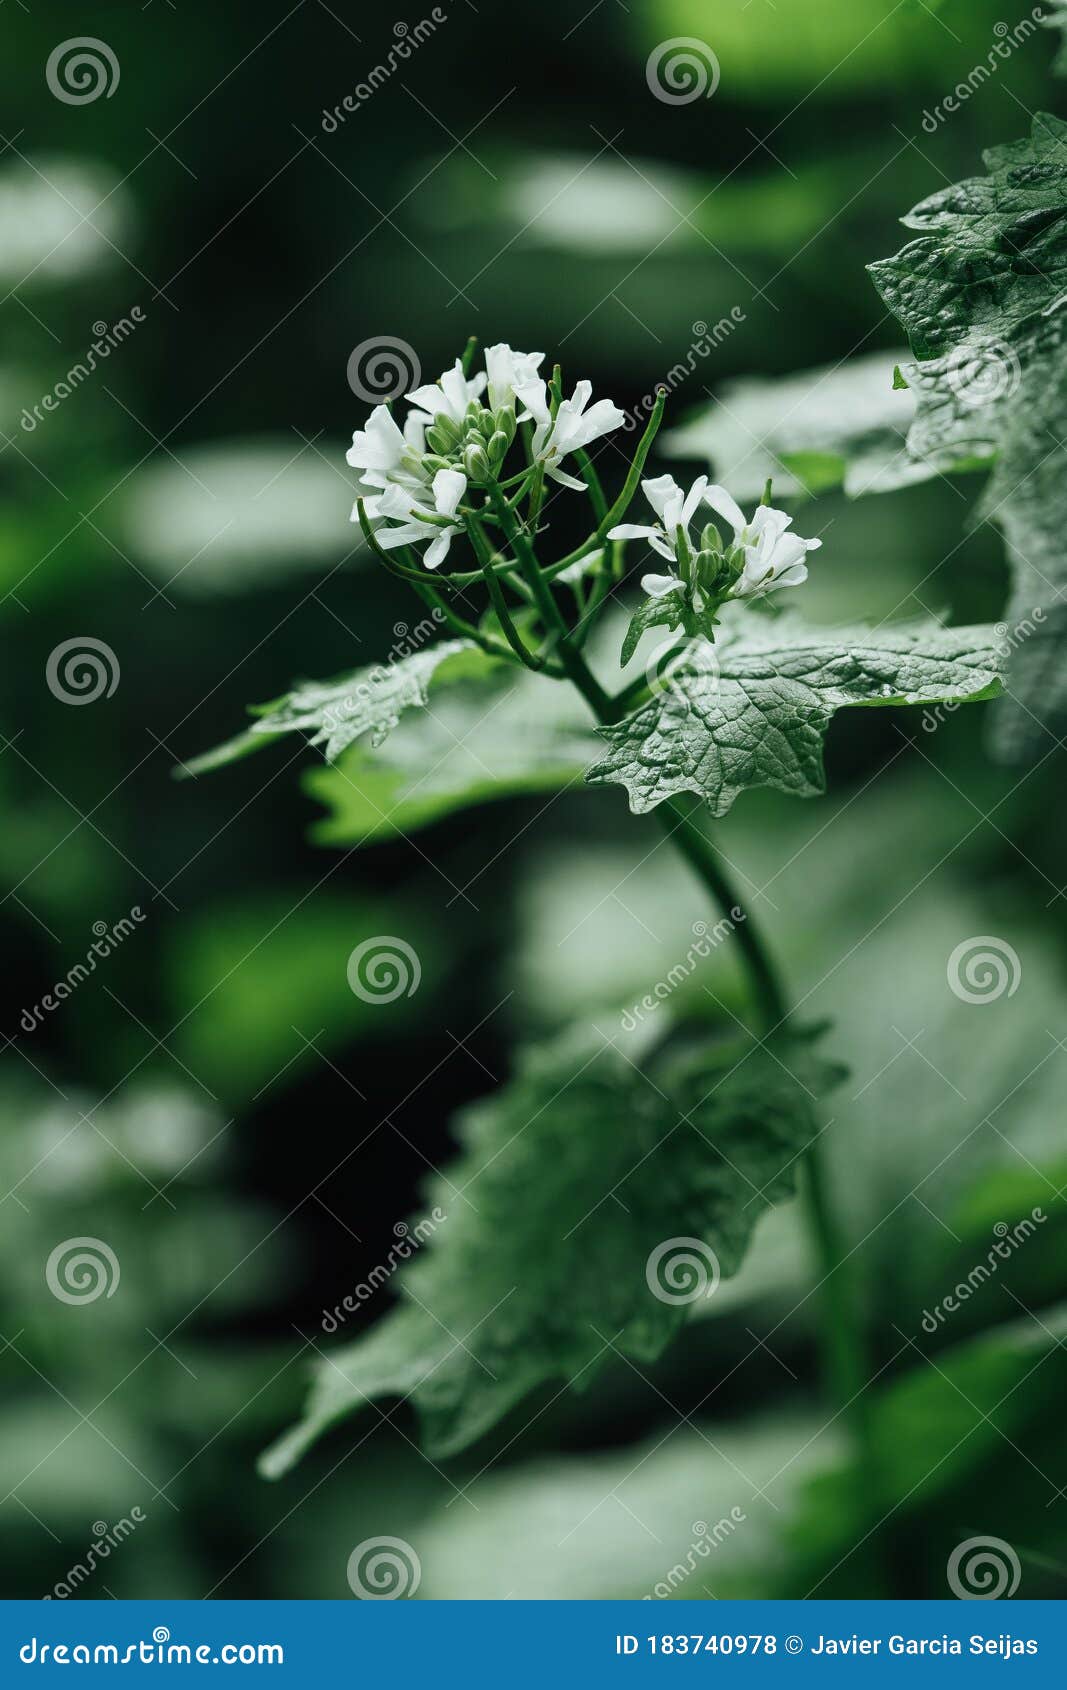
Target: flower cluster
{"points": [[761, 557], [413, 478]]}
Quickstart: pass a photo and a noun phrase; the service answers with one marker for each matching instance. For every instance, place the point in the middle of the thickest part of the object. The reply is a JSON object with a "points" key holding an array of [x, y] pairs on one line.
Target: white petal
{"points": [[722, 502], [435, 554], [507, 371], [579, 399], [693, 498], [406, 535], [566, 480], [415, 431], [430, 399], [379, 445], [658, 586], [790, 549], [631, 531], [600, 419], [768, 520], [449, 486], [457, 391], [659, 490], [534, 396]]}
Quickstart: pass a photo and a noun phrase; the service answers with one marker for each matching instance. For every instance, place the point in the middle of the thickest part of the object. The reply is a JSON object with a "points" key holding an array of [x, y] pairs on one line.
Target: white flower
{"points": [[572, 428], [675, 510], [453, 394], [400, 505], [508, 371], [384, 454], [773, 558]]}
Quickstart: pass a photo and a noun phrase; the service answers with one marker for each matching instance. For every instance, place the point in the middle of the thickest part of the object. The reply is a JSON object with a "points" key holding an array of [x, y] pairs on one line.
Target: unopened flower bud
{"points": [[504, 422], [716, 573], [438, 441], [476, 463], [710, 538], [434, 463], [450, 430], [498, 448]]}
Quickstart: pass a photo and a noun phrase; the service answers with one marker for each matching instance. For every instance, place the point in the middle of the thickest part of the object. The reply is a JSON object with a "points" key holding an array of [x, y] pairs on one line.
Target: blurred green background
{"points": [[214, 1102]]}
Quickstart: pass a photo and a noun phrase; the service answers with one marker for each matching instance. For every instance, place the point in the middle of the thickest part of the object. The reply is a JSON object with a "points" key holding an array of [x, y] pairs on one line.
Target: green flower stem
{"points": [[846, 1367], [592, 481], [844, 1349], [483, 552], [571, 659], [622, 503], [430, 596], [678, 818]]}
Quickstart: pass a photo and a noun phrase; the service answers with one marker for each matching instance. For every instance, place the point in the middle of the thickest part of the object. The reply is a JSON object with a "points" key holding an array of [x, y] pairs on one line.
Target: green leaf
{"points": [[753, 709], [842, 425], [473, 744], [363, 701], [667, 612], [983, 297], [571, 1177]]}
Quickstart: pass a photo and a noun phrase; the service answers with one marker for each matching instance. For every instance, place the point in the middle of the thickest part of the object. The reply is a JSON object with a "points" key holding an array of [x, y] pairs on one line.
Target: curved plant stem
{"points": [[574, 664], [430, 596], [483, 552], [677, 817], [844, 1349]]}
